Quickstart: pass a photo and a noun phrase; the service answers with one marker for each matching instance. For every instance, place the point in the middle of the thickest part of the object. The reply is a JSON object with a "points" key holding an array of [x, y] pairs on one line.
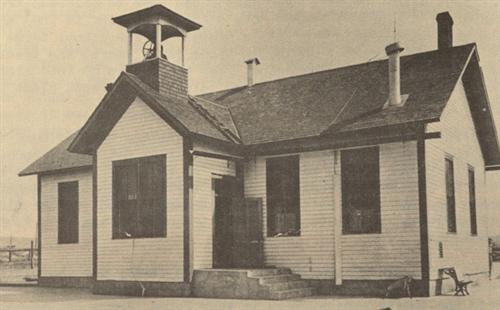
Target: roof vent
{"points": [[395, 99]]}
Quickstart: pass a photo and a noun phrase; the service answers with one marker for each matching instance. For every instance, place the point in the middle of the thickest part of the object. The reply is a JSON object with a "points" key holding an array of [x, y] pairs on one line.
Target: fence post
{"points": [[31, 254]]}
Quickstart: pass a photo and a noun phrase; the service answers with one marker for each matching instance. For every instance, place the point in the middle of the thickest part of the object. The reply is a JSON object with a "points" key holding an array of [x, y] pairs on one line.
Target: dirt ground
{"points": [[485, 294]]}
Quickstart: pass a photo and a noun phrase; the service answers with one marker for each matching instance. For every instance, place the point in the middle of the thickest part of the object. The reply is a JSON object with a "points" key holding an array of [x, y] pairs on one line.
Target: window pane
{"points": [[450, 196], [139, 205], [472, 202], [283, 198], [360, 191], [68, 212]]}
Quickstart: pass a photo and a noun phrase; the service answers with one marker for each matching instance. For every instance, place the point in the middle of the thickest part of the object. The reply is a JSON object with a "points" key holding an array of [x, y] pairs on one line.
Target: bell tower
{"points": [[157, 24]]}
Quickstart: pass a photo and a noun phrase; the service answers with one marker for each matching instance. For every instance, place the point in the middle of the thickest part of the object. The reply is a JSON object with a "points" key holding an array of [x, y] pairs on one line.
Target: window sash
{"points": [[139, 197], [68, 219], [283, 195], [472, 202], [360, 178], [450, 196]]}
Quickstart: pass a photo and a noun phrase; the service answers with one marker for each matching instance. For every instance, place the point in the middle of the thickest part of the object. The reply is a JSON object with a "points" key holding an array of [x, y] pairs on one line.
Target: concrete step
{"points": [[286, 285], [292, 293], [278, 278], [268, 272]]}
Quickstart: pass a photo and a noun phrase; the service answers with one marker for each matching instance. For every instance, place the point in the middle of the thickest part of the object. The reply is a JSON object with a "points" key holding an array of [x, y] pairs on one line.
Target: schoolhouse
{"points": [[333, 182]]}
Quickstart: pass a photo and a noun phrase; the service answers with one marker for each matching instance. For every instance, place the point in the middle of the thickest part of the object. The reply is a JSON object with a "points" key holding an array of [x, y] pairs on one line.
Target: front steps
{"points": [[268, 283]]}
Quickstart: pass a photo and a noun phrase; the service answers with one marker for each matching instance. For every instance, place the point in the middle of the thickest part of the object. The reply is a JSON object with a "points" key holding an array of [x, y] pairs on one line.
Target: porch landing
{"points": [[266, 283]]}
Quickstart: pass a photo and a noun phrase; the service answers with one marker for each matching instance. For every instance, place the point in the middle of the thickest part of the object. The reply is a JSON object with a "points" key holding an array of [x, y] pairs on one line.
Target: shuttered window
{"points": [[450, 196], [139, 197], [283, 197], [67, 231], [472, 202], [360, 191]]}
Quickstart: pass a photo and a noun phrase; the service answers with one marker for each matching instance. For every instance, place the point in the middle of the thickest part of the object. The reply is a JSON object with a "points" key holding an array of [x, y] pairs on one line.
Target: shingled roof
{"points": [[58, 158], [347, 98], [334, 101], [180, 114]]}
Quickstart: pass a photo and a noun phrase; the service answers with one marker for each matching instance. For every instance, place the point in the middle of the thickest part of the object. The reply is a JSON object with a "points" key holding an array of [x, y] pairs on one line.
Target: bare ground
{"points": [[485, 294]]}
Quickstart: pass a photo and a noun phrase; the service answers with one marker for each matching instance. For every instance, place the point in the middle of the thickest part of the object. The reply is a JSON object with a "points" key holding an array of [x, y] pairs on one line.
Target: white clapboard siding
{"points": [[66, 260], [458, 139], [393, 253], [396, 251], [203, 206], [312, 253], [141, 132]]}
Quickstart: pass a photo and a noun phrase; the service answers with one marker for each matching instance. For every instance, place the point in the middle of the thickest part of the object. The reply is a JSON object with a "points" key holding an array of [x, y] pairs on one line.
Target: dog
{"points": [[404, 284]]}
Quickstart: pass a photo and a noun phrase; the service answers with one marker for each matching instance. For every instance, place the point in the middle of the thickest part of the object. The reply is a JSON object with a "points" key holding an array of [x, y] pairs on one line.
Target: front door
{"points": [[237, 231], [223, 236]]}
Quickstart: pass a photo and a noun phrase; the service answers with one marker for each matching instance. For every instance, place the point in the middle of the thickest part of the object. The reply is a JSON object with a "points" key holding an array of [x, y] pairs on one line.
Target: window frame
{"points": [[349, 229], [271, 213], [450, 193], [138, 164], [472, 200], [64, 236]]}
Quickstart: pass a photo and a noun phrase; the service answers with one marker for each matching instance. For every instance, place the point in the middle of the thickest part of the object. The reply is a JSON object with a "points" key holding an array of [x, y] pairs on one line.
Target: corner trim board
{"points": [[94, 216], [187, 146], [39, 232], [422, 199]]}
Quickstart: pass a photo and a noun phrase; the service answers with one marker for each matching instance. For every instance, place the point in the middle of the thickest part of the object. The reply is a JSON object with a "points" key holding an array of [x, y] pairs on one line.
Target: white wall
{"points": [[66, 260], [393, 253], [468, 254], [203, 206], [141, 132], [396, 251]]}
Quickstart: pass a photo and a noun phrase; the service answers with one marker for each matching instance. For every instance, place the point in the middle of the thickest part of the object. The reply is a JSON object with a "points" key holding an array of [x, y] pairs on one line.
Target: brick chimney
{"points": [[445, 30], [163, 76]]}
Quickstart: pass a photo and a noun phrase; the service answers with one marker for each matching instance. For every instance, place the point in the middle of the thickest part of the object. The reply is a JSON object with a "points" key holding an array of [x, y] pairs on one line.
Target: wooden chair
{"points": [[460, 286]]}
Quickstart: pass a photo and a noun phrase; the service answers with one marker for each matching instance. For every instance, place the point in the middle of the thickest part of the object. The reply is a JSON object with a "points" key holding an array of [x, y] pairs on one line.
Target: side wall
{"points": [[66, 260], [203, 206], [467, 253], [141, 132], [393, 253]]}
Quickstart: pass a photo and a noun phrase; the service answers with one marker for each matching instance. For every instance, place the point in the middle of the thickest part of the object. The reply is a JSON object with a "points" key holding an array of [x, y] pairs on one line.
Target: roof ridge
{"points": [[328, 70], [209, 101], [213, 119]]}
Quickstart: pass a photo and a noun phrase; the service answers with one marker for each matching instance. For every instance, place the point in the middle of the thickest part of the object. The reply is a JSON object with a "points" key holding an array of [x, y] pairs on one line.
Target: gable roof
{"points": [[345, 99], [342, 100], [58, 158], [352, 98], [179, 114]]}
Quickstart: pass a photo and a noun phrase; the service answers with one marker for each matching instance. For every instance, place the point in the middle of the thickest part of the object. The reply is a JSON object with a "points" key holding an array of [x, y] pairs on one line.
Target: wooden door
{"points": [[223, 236], [248, 241]]}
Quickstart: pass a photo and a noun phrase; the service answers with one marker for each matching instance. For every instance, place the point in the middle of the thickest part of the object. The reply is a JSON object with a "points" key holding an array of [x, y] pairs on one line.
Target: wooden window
{"points": [[472, 202], [360, 191], [139, 197], [67, 231], [450, 196], [283, 196]]}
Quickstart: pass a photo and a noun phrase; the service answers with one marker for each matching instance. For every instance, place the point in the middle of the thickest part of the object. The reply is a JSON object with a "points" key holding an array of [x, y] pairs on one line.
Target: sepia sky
{"points": [[57, 56]]}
